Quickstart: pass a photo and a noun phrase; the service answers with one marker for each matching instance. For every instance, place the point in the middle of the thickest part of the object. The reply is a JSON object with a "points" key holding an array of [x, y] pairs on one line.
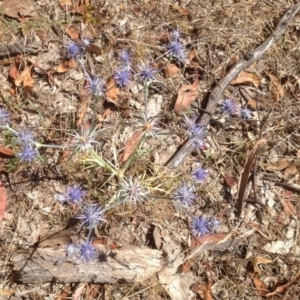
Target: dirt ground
{"points": [[89, 208]]}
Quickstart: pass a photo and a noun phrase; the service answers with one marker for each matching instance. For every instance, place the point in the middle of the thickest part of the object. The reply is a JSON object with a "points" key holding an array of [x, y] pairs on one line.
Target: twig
{"points": [[186, 149]]}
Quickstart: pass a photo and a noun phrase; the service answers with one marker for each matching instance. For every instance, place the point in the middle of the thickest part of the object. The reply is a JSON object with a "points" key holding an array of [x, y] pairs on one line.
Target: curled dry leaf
{"points": [[4, 151], [170, 70], [258, 260], [16, 9], [112, 92], [186, 94], [25, 76], [203, 289], [13, 72], [278, 166], [65, 66], [290, 171], [65, 2], [260, 286], [247, 77], [276, 87], [131, 144]]}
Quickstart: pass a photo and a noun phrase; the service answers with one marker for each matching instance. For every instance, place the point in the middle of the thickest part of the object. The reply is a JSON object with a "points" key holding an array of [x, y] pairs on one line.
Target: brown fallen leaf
{"points": [[170, 70], [194, 59], [61, 238], [93, 49], [252, 103], [258, 260], [24, 76], [203, 289], [182, 11], [72, 32], [260, 286], [277, 89], [3, 200], [6, 151], [112, 91], [290, 171], [16, 9], [278, 166], [245, 174], [65, 2], [131, 144], [65, 66], [13, 72], [186, 94], [229, 180], [247, 77]]}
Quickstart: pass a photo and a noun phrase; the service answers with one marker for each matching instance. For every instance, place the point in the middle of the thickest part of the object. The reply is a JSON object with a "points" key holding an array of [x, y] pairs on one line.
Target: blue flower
{"points": [[122, 77], [185, 194], [245, 113], [73, 50], [96, 87], [200, 226], [133, 191], [26, 138], [125, 57], [27, 154], [200, 175], [92, 215], [74, 193], [72, 249], [147, 73], [193, 128], [175, 35], [4, 116], [85, 42], [87, 251], [228, 107], [177, 50]]}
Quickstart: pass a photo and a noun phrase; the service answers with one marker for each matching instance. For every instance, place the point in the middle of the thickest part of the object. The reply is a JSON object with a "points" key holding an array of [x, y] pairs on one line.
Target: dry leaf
{"points": [[194, 59], [279, 166], [186, 95], [24, 77], [72, 32], [16, 9], [65, 2], [229, 180], [290, 171], [65, 66], [182, 11], [61, 238], [93, 49], [6, 151], [13, 72], [112, 92], [131, 144], [247, 77], [3, 200], [170, 70], [258, 260], [245, 174], [261, 287], [78, 291], [276, 87], [203, 289], [252, 104]]}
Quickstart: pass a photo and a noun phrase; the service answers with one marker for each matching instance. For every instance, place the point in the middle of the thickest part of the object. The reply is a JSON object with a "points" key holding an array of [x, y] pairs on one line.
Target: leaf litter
{"points": [[41, 99]]}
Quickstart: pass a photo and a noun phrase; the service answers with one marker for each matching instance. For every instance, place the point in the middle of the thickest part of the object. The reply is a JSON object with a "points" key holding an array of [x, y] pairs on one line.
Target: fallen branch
{"points": [[186, 149]]}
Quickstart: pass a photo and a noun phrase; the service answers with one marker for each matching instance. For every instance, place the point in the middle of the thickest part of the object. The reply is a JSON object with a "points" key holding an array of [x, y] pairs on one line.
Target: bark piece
{"points": [[128, 264]]}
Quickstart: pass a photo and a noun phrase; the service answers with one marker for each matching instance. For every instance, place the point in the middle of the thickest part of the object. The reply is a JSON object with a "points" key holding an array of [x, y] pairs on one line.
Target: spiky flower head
{"points": [[74, 193], [185, 194], [27, 154], [228, 107], [96, 87], [125, 56], [122, 77], [26, 138], [84, 139], [146, 72], [85, 42], [87, 251], [148, 124], [200, 226], [133, 191], [245, 113], [194, 129], [73, 50], [72, 250], [175, 35], [200, 175], [176, 49], [4, 116], [92, 215]]}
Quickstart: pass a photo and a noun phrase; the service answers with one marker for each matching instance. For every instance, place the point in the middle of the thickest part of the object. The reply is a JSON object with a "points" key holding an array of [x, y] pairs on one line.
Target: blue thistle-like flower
{"points": [[175, 35], [122, 77], [85, 42], [200, 175], [193, 128], [85, 139], [92, 215], [27, 154], [147, 73], [185, 194], [228, 107], [26, 138], [245, 113], [133, 191], [73, 50], [72, 249], [87, 251], [4, 116], [96, 87], [177, 50], [200, 226], [125, 56], [74, 193]]}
